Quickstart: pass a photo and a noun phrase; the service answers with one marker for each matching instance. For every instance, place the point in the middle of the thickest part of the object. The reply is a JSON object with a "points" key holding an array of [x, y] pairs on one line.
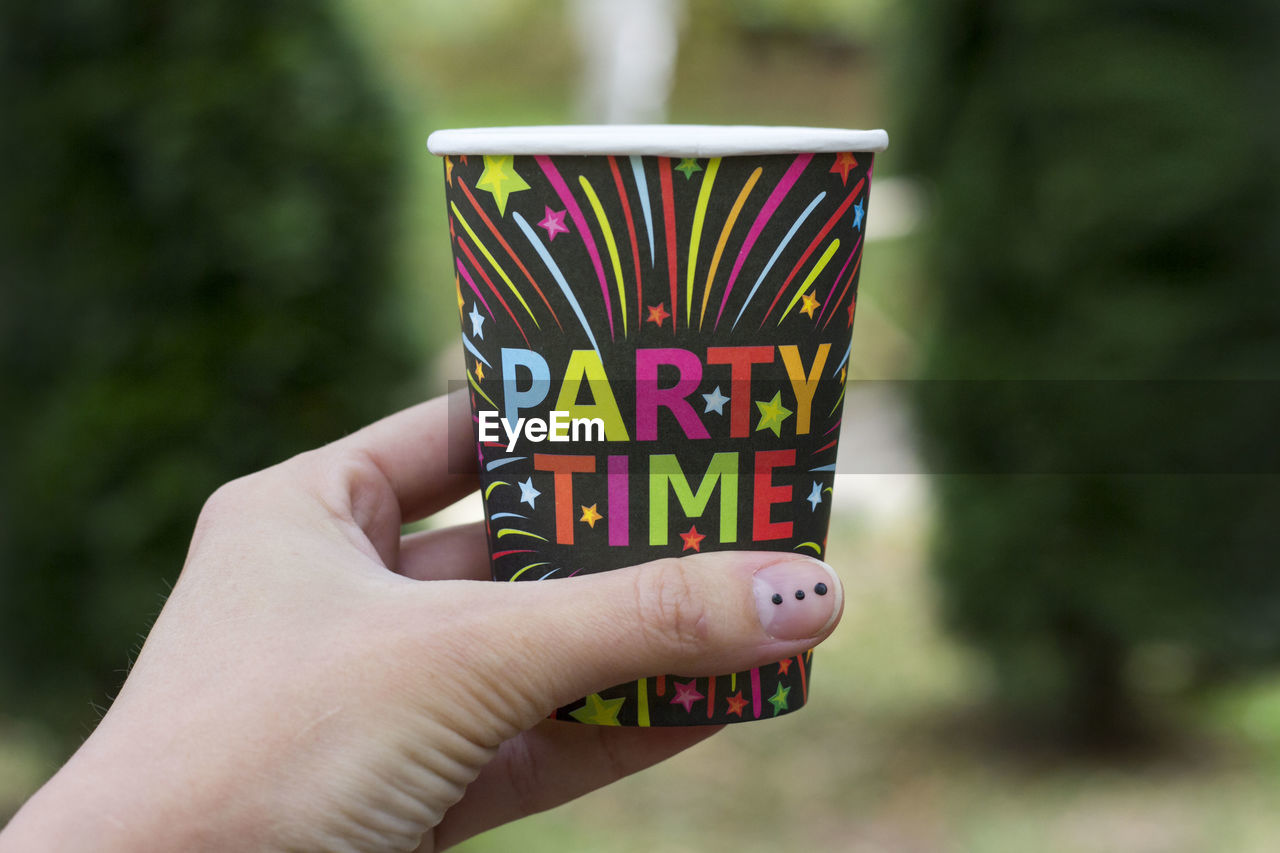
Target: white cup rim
{"points": [[655, 140]]}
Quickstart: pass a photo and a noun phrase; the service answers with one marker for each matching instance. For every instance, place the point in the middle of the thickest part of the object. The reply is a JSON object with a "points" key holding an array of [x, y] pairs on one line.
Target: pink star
{"points": [[554, 223], [686, 695]]}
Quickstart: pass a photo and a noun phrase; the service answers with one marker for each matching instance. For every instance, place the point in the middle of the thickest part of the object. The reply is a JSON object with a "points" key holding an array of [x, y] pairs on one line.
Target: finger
{"points": [[554, 763], [460, 553], [556, 641], [426, 454]]}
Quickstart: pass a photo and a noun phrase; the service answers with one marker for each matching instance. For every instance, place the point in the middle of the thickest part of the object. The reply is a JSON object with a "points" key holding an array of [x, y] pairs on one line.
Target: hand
{"points": [[316, 681]]}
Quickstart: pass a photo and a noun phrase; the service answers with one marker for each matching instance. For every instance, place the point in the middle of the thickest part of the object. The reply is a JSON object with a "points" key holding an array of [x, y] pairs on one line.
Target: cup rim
{"points": [[655, 140]]}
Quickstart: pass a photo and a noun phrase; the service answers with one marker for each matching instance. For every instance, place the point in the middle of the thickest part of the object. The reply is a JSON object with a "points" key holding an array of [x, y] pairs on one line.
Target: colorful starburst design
{"points": [[595, 256]]}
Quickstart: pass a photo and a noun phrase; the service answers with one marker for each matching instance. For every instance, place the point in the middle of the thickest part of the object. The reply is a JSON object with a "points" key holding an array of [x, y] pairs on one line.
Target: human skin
{"points": [[317, 681]]}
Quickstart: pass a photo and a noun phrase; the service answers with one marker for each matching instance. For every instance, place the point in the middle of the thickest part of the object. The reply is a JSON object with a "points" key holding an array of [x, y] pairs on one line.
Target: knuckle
{"points": [[226, 501], [671, 612]]}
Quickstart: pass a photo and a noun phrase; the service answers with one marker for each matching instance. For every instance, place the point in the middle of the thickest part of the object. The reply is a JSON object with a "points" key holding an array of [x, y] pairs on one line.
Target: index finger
{"points": [[426, 453]]}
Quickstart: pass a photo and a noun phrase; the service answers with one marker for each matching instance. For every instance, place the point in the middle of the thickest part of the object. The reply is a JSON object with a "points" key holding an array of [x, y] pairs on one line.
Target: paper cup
{"points": [[657, 330]]}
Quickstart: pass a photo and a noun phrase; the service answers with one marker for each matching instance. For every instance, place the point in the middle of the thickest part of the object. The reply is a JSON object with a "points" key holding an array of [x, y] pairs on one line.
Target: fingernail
{"points": [[797, 599]]}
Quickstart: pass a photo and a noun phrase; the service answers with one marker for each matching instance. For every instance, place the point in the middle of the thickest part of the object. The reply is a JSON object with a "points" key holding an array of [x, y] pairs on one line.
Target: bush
{"points": [[1108, 205], [196, 236]]}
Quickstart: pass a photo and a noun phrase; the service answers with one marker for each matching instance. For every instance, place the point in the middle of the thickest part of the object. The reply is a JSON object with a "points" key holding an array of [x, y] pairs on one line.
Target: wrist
{"points": [[113, 795]]}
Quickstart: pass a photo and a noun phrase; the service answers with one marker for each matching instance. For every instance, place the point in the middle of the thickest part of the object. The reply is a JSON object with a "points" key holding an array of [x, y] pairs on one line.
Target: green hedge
{"points": [[1107, 196], [198, 220]]}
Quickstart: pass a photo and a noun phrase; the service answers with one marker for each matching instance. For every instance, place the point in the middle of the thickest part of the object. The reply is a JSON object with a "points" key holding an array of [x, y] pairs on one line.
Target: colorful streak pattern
{"points": [[649, 242]]}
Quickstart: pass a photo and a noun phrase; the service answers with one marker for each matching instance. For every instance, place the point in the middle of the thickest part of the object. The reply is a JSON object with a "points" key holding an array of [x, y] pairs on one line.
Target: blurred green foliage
{"points": [[198, 219], [1108, 208]]}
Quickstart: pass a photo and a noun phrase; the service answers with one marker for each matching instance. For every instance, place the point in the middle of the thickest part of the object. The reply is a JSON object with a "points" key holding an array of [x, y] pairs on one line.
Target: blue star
{"points": [[528, 494], [476, 320], [858, 213], [715, 402], [815, 497]]}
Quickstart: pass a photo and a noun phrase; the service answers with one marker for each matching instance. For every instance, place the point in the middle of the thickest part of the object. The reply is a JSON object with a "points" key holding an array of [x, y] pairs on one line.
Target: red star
{"points": [[658, 313], [687, 694], [736, 703], [692, 539], [852, 303], [463, 158], [845, 163], [784, 666]]}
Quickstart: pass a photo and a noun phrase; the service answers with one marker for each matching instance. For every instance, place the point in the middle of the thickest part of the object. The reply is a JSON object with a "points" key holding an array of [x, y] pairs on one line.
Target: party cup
{"points": [[657, 322]]}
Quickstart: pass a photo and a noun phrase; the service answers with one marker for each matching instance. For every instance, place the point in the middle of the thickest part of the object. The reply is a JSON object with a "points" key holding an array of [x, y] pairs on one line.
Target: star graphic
{"points": [[736, 703], [784, 666], [852, 303], [500, 178], [599, 712], [687, 694], [457, 287], [554, 223], [779, 699], [590, 515], [845, 163], [477, 320], [658, 313], [463, 158], [688, 166], [448, 169], [692, 539], [479, 371], [772, 414], [858, 212], [815, 497], [528, 494], [715, 402], [809, 304], [844, 371]]}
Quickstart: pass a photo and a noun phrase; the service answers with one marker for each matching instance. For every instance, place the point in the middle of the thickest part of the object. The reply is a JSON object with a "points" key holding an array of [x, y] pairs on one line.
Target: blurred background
{"points": [[222, 241]]}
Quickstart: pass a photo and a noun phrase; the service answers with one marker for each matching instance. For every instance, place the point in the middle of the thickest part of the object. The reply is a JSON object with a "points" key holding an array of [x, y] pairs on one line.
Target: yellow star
{"points": [[457, 286], [599, 712], [772, 414], [479, 371], [810, 303], [590, 515], [843, 372], [448, 169], [500, 178]]}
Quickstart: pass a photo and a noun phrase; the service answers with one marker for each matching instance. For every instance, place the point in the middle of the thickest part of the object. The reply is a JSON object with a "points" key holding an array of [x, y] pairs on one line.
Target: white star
{"points": [[815, 497], [715, 401], [528, 494], [476, 319]]}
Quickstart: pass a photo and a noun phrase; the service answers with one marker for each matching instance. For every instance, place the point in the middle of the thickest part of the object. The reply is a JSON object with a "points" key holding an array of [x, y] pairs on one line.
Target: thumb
{"points": [[705, 614]]}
